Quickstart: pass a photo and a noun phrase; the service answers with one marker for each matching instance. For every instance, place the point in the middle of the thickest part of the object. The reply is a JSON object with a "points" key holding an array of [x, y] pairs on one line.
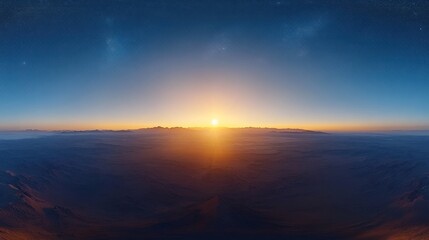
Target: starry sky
{"points": [[323, 65]]}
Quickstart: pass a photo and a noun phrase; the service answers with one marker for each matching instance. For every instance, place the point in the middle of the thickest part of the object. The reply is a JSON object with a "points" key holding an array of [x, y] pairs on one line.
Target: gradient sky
{"points": [[326, 65]]}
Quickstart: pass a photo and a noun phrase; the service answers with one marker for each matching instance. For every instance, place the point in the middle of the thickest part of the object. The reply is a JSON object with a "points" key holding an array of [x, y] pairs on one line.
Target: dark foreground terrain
{"points": [[214, 184]]}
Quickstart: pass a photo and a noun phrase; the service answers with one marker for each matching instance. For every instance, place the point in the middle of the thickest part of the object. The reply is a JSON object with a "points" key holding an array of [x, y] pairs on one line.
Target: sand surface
{"points": [[214, 184]]}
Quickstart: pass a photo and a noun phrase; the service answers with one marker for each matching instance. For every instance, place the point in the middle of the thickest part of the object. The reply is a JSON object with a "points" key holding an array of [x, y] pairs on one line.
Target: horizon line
{"points": [[213, 127]]}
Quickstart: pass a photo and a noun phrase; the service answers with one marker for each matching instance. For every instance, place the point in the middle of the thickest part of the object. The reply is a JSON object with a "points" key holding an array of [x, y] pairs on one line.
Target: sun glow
{"points": [[214, 122]]}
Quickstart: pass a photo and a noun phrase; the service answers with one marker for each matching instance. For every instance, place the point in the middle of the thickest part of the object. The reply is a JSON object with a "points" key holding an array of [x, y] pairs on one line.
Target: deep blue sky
{"points": [[347, 65]]}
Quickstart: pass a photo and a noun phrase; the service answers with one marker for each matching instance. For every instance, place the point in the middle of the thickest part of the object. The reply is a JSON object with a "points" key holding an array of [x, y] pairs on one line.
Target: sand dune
{"points": [[205, 184]]}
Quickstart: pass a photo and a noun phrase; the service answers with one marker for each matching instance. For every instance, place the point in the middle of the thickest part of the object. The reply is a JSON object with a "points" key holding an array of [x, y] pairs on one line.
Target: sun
{"points": [[214, 122]]}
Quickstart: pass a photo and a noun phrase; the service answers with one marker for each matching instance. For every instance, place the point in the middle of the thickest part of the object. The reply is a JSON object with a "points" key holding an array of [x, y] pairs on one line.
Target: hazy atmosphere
{"points": [[214, 120]]}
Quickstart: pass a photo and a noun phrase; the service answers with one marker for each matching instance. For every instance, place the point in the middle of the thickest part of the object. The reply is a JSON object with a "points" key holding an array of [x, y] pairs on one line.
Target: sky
{"points": [[321, 65]]}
